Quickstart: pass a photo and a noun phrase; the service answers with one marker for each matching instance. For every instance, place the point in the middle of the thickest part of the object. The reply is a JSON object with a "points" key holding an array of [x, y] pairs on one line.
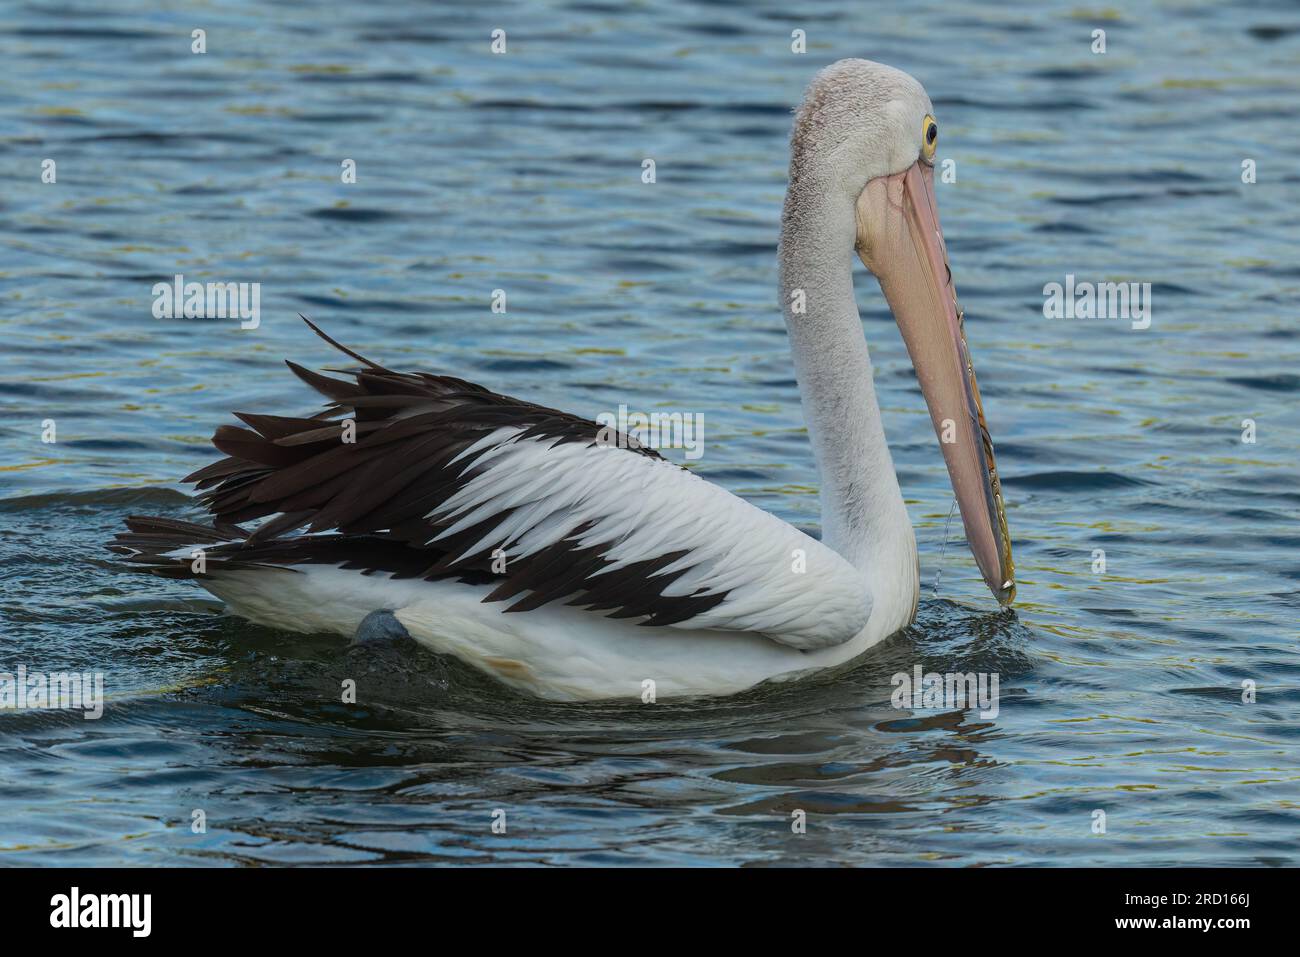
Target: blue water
{"points": [[1121, 691]]}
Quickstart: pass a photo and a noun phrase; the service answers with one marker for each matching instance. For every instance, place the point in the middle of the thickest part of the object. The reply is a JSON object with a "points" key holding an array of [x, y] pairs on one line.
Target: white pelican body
{"points": [[524, 542]]}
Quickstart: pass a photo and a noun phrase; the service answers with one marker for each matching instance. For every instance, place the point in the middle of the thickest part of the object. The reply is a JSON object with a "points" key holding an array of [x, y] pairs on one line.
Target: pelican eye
{"points": [[929, 138]]}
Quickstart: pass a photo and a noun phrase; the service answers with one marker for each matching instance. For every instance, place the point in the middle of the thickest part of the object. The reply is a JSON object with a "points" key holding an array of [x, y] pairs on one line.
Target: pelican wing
{"points": [[428, 476]]}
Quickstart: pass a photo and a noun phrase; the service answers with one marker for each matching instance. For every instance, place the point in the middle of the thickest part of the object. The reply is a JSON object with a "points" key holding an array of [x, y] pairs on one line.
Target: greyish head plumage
{"points": [[858, 120]]}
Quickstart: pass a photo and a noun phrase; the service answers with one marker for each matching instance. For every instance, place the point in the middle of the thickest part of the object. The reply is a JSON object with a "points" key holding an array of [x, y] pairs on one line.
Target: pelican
{"points": [[517, 539]]}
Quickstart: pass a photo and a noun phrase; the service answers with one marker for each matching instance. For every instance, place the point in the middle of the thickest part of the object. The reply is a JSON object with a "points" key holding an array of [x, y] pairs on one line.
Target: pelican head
{"points": [[866, 135]]}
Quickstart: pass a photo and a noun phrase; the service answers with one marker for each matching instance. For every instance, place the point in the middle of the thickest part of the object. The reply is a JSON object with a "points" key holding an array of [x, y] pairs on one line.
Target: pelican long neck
{"points": [[863, 514]]}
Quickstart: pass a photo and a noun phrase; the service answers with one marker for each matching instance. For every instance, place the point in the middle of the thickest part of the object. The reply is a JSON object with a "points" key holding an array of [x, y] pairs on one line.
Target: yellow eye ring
{"points": [[929, 138]]}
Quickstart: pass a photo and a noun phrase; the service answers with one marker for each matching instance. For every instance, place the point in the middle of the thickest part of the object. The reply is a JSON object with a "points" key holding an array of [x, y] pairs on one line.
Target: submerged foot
{"points": [[389, 662], [380, 628]]}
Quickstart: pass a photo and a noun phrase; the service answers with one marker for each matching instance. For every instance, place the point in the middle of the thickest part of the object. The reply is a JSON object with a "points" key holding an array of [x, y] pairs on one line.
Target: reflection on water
{"points": [[1120, 691]]}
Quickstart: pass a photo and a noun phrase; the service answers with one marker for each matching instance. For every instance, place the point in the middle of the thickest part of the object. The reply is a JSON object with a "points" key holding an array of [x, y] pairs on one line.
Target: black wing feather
{"points": [[365, 505]]}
